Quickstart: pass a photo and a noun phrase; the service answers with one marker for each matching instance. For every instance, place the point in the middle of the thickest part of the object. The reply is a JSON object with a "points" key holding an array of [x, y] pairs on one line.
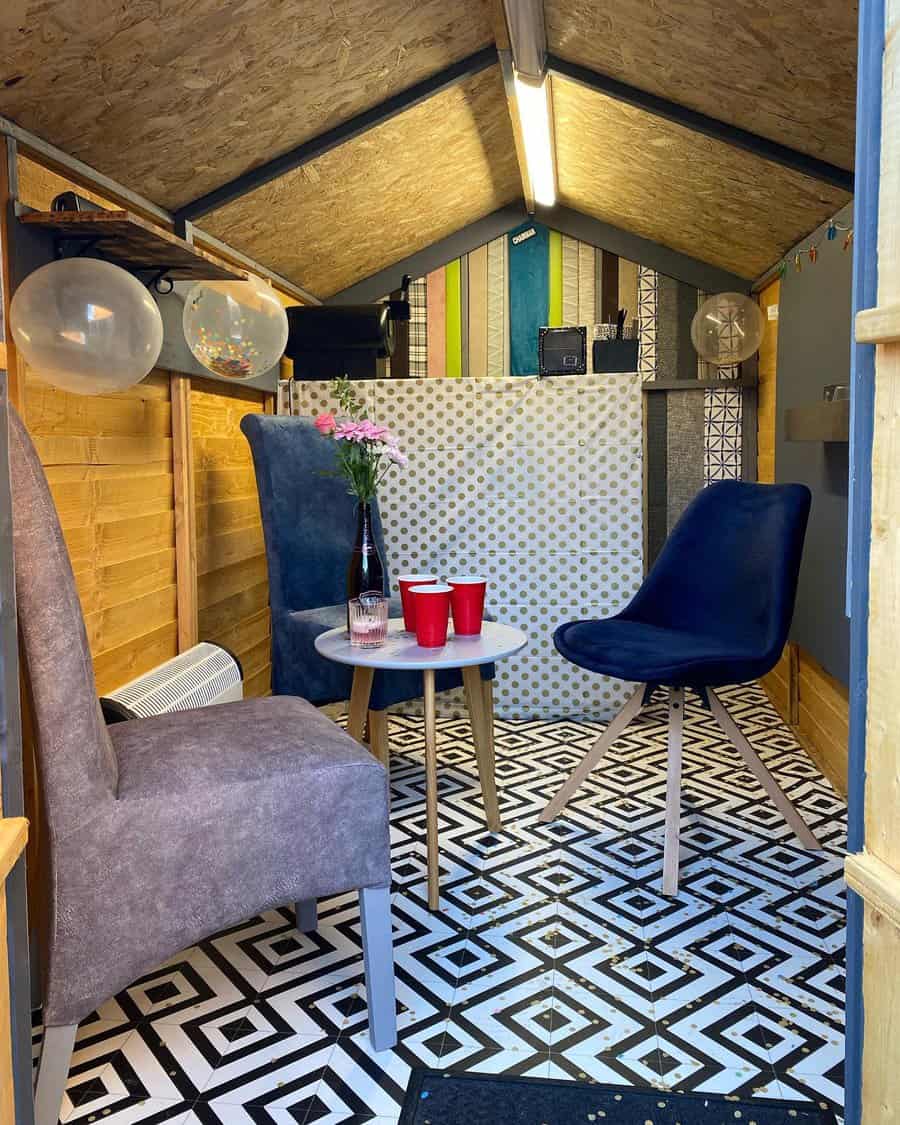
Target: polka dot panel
{"points": [[552, 688], [426, 413], [538, 486]]}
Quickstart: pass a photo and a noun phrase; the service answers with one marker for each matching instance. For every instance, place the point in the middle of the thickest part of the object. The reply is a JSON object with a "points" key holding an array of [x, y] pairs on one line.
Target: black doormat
{"points": [[438, 1097]]}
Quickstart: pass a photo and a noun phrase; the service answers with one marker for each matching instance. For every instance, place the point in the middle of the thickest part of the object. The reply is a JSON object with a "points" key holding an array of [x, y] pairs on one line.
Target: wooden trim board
{"points": [[185, 513]]}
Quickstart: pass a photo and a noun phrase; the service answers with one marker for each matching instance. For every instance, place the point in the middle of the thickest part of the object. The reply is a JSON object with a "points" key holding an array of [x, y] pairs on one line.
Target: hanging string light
{"points": [[812, 251]]}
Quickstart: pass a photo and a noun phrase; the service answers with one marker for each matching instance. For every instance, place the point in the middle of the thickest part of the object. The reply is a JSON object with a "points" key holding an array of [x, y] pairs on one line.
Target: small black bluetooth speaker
{"points": [[562, 351]]}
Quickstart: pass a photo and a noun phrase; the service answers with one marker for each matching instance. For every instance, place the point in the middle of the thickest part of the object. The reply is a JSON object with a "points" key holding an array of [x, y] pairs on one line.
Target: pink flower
{"points": [[396, 457], [325, 424], [347, 431], [370, 432], [362, 431]]}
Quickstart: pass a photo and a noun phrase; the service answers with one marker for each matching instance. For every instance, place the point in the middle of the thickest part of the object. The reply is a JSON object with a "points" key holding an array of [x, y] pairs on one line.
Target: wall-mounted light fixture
{"points": [[537, 136]]}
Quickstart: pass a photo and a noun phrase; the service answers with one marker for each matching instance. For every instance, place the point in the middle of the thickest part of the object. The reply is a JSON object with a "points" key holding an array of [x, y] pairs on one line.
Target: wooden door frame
{"points": [[865, 294]]}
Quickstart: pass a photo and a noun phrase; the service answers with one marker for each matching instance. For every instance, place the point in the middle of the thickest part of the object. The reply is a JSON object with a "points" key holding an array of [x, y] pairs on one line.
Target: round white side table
{"points": [[400, 651]]}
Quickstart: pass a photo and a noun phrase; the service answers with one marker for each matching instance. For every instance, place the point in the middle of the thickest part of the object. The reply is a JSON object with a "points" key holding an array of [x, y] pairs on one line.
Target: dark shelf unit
{"points": [[820, 421]]}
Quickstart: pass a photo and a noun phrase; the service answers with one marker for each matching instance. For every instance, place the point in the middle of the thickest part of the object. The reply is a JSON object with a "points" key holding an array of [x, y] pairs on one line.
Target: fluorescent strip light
{"points": [[534, 114]]}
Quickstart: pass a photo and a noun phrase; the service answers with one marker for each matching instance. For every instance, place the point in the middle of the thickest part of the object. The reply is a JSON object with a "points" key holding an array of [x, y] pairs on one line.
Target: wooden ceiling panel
{"points": [[686, 191], [785, 69], [175, 98], [381, 197]]}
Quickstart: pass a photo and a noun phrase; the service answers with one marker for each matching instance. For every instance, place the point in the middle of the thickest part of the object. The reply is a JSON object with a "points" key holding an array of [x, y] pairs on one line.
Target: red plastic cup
{"points": [[407, 581], [467, 603], [432, 614]]}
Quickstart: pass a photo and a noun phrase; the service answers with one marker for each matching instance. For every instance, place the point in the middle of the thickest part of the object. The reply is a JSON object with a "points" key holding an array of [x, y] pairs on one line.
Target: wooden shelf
{"points": [[820, 421], [879, 325], [694, 384], [131, 242]]}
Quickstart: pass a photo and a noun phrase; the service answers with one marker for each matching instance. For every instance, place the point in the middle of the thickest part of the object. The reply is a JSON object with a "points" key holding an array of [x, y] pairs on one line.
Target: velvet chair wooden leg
{"points": [[753, 762], [53, 1070], [595, 755], [378, 953], [673, 792], [379, 737], [483, 736], [307, 911]]}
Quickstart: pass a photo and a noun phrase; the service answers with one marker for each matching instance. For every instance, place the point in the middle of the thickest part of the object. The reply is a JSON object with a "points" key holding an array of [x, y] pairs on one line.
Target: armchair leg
{"points": [[754, 763], [378, 953], [307, 911], [673, 792], [53, 1069], [595, 755]]}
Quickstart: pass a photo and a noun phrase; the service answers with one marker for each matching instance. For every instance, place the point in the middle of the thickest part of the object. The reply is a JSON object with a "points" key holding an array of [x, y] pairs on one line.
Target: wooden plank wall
{"points": [[765, 409], [232, 584], [807, 698], [108, 459]]}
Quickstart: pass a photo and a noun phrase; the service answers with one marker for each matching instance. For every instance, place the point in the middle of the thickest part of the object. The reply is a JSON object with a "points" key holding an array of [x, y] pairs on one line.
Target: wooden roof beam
{"points": [[697, 122]]}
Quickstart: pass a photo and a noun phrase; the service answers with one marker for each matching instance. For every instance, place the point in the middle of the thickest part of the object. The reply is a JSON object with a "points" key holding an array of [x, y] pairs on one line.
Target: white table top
{"points": [[401, 651]]}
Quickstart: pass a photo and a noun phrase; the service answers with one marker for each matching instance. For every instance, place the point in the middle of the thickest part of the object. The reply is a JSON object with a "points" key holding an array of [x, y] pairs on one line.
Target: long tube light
{"points": [[534, 114]]}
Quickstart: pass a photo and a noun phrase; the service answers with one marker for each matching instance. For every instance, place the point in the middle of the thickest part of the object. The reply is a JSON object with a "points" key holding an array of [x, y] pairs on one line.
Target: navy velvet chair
{"points": [[715, 609], [309, 524]]}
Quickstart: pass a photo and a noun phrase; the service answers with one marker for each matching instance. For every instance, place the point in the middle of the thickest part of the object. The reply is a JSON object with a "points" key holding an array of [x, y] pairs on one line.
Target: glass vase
{"points": [[366, 570]]}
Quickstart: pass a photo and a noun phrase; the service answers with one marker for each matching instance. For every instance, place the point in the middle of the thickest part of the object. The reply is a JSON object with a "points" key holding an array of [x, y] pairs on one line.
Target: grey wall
{"points": [[814, 331]]}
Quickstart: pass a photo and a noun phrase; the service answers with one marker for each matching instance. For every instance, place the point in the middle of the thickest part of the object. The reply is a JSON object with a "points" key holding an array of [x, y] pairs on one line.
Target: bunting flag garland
{"points": [[812, 251]]}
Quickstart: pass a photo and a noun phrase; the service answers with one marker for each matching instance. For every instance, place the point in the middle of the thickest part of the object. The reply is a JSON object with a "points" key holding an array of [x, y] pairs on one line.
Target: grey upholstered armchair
{"points": [[163, 831]]}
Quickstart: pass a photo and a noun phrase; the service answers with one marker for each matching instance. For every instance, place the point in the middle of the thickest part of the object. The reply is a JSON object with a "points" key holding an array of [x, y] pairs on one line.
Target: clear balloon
{"points": [[727, 328], [86, 326], [237, 329]]}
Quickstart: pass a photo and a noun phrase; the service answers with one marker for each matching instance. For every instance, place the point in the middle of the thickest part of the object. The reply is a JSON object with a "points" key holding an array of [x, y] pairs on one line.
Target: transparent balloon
{"points": [[237, 329], [86, 326], [727, 328]]}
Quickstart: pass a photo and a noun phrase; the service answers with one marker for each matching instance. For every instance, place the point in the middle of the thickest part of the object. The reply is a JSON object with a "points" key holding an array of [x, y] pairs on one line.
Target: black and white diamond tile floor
{"points": [[553, 953]]}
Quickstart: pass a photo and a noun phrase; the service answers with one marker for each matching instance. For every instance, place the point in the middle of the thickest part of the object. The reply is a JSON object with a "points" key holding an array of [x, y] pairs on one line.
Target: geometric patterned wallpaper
{"points": [[538, 485]]}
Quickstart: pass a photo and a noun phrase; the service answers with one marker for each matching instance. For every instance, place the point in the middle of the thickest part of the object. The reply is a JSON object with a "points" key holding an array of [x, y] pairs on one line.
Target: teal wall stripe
{"points": [[529, 294]]}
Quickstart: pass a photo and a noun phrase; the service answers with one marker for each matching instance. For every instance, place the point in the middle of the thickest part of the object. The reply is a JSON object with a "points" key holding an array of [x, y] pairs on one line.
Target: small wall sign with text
{"points": [[523, 236]]}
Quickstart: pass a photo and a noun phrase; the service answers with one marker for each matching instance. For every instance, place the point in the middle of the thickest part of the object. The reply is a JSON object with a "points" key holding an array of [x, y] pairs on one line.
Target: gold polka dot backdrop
{"points": [[535, 484]]}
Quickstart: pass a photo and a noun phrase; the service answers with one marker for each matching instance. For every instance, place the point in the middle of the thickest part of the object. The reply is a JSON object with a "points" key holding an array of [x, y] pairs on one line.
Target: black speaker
{"points": [[562, 351], [326, 341]]}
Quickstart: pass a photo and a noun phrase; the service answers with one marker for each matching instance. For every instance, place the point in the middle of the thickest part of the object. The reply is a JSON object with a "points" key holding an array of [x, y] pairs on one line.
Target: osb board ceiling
{"points": [[785, 69], [173, 99], [656, 179], [381, 197]]}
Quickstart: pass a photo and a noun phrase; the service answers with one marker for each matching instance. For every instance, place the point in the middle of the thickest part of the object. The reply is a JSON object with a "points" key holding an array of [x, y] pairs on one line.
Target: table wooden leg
{"points": [[359, 701], [379, 737], [481, 717], [431, 813]]}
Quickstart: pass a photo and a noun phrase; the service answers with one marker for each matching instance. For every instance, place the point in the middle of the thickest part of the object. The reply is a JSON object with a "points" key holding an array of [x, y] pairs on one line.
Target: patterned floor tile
{"points": [[553, 952]]}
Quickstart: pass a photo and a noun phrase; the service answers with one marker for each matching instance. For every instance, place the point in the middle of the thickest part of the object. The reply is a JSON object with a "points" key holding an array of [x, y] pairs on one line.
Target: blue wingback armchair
{"points": [[309, 524], [715, 609]]}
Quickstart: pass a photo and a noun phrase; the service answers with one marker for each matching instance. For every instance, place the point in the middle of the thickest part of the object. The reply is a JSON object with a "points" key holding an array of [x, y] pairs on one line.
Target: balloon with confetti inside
{"points": [[727, 328], [236, 329]]}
